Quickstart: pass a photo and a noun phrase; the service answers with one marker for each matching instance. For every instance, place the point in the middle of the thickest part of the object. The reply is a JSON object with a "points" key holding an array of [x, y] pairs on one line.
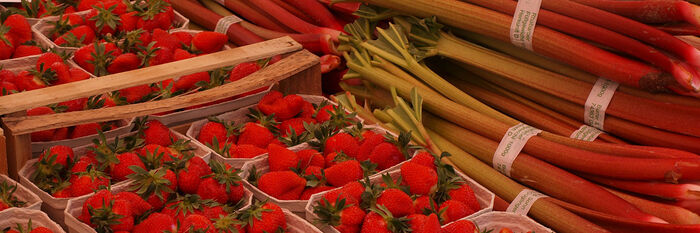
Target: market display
{"points": [[350, 116]]}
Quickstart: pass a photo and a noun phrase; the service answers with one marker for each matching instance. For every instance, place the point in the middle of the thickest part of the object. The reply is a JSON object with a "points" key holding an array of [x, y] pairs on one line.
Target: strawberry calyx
{"points": [[60, 26], [93, 173], [101, 58], [267, 121], [182, 147], [227, 223], [254, 212], [330, 213], [72, 40], [321, 132], [146, 53], [293, 138], [391, 184], [447, 180], [253, 175], [105, 17], [147, 183], [392, 223], [7, 195], [3, 35], [188, 204], [232, 129], [147, 10], [21, 228], [220, 148], [102, 218], [370, 194], [45, 75], [130, 40], [226, 176], [402, 142]]}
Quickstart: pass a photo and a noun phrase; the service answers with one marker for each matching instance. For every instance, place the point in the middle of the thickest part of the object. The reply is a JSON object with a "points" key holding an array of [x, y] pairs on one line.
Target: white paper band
{"points": [[586, 133], [598, 101], [524, 201], [226, 22], [510, 146], [524, 20]]}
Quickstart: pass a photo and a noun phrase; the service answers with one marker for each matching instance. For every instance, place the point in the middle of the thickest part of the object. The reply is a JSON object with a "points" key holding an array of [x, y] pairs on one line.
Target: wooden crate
{"points": [[298, 71]]}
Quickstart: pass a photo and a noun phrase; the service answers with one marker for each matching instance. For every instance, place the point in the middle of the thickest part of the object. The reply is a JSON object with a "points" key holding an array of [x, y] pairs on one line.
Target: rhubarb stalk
{"points": [[650, 11], [319, 13], [291, 21], [208, 19], [672, 214], [255, 16], [685, 191]]}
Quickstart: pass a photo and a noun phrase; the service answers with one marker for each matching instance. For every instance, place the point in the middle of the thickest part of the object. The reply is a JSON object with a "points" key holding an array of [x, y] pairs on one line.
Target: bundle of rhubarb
{"points": [[62, 174], [472, 100], [276, 119], [313, 24]]}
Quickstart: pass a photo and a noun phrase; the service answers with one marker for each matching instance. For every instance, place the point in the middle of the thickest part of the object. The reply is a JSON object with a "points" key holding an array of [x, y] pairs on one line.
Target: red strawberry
{"points": [[424, 224], [181, 54], [342, 142], [190, 177], [165, 39], [60, 134], [157, 133], [297, 124], [255, 134], [28, 81], [163, 55], [386, 155], [128, 21], [74, 105], [44, 135], [324, 113], [283, 185], [227, 223], [281, 159], [215, 129], [424, 158], [189, 81], [307, 110], [7, 76], [209, 42], [246, 151], [421, 203], [46, 59], [196, 223], [353, 189], [420, 179], [124, 62], [242, 70], [85, 130], [102, 218], [461, 226], [26, 50], [283, 107], [121, 169], [7, 88], [87, 182], [264, 217], [161, 21], [185, 38], [369, 141], [452, 210], [340, 215], [78, 36], [103, 20], [465, 194], [95, 201], [311, 157], [136, 93], [223, 186], [139, 205], [76, 74], [344, 172], [306, 195], [20, 30], [378, 223], [62, 73], [213, 211], [156, 223], [315, 171], [73, 19], [396, 201]]}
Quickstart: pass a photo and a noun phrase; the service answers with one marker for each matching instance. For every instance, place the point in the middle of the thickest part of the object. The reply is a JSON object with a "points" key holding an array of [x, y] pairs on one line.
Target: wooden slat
{"points": [[288, 66], [308, 82], [18, 149], [3, 153], [36, 98]]}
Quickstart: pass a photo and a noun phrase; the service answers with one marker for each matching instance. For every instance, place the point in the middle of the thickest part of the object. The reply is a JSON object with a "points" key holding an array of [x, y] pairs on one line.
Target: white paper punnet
{"points": [[510, 146], [13, 216], [598, 100], [522, 28], [32, 201]]}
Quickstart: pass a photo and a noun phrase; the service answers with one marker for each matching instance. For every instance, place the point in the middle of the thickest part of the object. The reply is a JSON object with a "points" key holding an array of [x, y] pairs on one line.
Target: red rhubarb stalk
{"points": [[607, 38], [650, 11], [294, 10], [639, 31], [670, 213], [347, 8], [692, 205], [685, 191], [292, 21], [319, 13], [317, 43], [208, 19], [255, 16], [680, 29]]}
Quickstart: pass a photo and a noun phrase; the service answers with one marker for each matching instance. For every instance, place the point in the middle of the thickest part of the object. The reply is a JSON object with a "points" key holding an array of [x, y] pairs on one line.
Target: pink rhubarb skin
{"points": [[680, 29], [317, 43], [347, 8], [650, 11], [685, 191], [642, 32], [319, 13], [254, 16], [680, 71], [208, 19], [291, 21]]}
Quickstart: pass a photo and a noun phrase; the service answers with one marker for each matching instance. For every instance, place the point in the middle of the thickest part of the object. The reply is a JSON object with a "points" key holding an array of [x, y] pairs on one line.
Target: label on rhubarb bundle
{"points": [[586, 133], [524, 20], [226, 22], [511, 144], [598, 101], [524, 201]]}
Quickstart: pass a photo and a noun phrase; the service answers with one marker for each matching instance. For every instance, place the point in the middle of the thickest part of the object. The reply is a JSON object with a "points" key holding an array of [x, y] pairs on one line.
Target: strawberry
{"points": [[460, 226], [189, 81], [380, 220], [156, 223], [420, 204], [242, 70], [369, 142], [103, 19], [6, 48], [76, 74], [120, 170], [190, 177], [139, 205], [87, 182], [213, 211], [315, 171], [216, 128], [128, 21], [284, 107], [306, 195], [323, 114], [46, 59], [8, 197], [452, 210], [196, 223], [181, 54], [255, 134], [136, 93], [20, 30], [62, 73], [208, 41], [307, 110], [185, 38], [164, 39], [246, 151], [281, 159], [224, 184], [60, 134], [124, 62], [344, 172], [465, 194], [60, 154], [424, 158], [386, 155], [155, 186], [94, 202], [353, 189], [28, 80], [162, 55], [157, 133], [396, 201], [420, 179], [295, 124], [26, 50], [7, 76], [44, 135], [264, 217], [424, 224], [339, 194], [85, 130], [227, 223], [114, 215], [342, 142], [183, 206], [74, 105], [311, 157], [283, 185], [7, 88], [506, 230], [94, 57], [76, 37], [339, 214], [41, 230], [73, 19]]}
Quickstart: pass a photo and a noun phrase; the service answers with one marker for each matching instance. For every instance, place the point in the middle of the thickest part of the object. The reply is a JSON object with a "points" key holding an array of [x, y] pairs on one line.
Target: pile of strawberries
{"points": [[50, 69], [7, 197], [467, 226], [427, 194], [111, 20], [278, 120], [28, 229], [62, 174], [16, 38]]}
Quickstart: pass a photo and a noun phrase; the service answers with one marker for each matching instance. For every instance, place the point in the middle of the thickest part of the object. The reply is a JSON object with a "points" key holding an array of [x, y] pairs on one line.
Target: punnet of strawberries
{"points": [[28, 228], [276, 120], [49, 69], [466, 226], [62, 174], [181, 195], [8, 199], [16, 38], [420, 196]]}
